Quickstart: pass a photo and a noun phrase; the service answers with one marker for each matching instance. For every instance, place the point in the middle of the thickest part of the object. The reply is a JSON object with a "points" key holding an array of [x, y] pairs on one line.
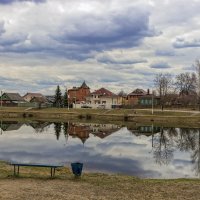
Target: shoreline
{"points": [[139, 116]]}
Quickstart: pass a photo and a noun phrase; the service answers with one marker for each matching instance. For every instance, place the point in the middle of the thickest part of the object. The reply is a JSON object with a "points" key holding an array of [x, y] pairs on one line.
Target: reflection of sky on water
{"points": [[120, 152]]}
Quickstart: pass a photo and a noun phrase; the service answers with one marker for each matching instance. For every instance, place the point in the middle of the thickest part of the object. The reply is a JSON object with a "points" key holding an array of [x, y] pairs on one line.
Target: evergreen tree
{"points": [[58, 129], [65, 99], [58, 97]]}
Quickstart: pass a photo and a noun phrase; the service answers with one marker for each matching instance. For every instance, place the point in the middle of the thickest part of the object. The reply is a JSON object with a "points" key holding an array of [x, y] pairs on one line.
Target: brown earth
{"points": [[97, 187]]}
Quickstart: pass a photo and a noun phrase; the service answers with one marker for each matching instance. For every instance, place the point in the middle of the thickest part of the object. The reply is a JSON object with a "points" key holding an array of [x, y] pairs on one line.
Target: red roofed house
{"points": [[103, 98], [78, 95]]}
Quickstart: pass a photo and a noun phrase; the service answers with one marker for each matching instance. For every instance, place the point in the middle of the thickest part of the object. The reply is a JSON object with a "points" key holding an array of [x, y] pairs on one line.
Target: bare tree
{"points": [[197, 70], [186, 83], [163, 84], [186, 86]]}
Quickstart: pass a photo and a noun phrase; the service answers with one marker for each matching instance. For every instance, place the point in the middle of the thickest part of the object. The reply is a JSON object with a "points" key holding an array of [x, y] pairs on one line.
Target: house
{"points": [[77, 95], [11, 99], [148, 99], [39, 101], [103, 98], [28, 96], [133, 97]]}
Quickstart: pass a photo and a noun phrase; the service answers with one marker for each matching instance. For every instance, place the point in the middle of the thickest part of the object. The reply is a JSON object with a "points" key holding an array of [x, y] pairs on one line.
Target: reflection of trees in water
{"points": [[196, 154], [58, 129], [65, 130], [163, 147], [184, 139]]}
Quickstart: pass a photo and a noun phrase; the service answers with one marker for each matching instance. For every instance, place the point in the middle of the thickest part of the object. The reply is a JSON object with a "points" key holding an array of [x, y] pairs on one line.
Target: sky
{"points": [[119, 45]]}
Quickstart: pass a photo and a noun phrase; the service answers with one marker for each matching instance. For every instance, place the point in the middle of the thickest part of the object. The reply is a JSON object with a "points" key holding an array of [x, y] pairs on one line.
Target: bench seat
{"points": [[53, 167]]}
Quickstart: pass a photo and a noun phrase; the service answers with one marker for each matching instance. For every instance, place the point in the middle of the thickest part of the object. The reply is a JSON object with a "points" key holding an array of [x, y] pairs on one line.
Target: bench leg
{"points": [[51, 171], [14, 171], [54, 171]]}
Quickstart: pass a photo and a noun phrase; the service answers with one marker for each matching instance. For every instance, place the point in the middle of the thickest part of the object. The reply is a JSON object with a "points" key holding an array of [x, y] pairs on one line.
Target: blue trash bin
{"points": [[77, 168]]}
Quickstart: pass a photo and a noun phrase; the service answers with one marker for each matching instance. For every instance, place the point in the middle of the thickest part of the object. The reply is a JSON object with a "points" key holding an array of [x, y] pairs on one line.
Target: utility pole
{"points": [[152, 102], [1, 98]]}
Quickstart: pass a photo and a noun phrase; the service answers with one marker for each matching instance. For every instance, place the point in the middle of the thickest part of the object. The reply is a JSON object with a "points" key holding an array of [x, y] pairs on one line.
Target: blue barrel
{"points": [[77, 168]]}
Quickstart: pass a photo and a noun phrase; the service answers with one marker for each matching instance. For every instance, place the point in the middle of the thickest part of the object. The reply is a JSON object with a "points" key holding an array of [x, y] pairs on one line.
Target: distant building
{"points": [[77, 95], [103, 98], [11, 99], [28, 96], [133, 97], [39, 101], [148, 99]]}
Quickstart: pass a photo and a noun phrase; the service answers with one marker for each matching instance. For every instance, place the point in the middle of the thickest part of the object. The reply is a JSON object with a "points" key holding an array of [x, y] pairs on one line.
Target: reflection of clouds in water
{"points": [[119, 152]]}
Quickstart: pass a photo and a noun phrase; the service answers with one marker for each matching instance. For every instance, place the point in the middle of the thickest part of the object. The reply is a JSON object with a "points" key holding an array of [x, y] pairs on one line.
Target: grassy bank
{"points": [[34, 183], [131, 115]]}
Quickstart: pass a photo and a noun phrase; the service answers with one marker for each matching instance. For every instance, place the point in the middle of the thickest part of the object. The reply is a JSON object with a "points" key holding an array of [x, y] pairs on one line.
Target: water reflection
{"points": [[148, 151]]}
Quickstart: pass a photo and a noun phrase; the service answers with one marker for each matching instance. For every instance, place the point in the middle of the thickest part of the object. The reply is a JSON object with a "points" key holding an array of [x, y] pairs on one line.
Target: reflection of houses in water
{"points": [[81, 131], [145, 130], [103, 130], [39, 126], [10, 125]]}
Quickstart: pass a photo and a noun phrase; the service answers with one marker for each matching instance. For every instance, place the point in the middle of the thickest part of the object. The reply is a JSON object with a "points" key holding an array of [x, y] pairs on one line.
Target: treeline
{"points": [[59, 100], [183, 89]]}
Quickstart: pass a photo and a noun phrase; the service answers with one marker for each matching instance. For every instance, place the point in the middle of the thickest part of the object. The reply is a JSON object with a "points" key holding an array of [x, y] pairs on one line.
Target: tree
{"points": [[58, 97], [186, 83], [163, 84], [58, 129], [186, 86], [65, 99], [197, 70]]}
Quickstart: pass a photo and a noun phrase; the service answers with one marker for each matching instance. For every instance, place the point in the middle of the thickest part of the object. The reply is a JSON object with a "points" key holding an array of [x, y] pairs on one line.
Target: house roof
{"points": [[14, 96], [84, 85], [39, 99], [33, 94], [137, 92], [103, 92]]}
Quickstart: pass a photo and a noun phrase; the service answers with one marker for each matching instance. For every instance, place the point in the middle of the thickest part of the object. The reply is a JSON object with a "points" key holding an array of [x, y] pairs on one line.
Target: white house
{"points": [[103, 98]]}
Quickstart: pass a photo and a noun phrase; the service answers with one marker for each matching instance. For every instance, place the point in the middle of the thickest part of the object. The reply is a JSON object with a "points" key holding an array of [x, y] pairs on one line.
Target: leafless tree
{"points": [[197, 70], [186, 83], [163, 84], [186, 87]]}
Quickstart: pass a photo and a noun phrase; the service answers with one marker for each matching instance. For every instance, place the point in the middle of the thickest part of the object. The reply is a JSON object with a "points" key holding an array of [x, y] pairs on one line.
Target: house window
{"points": [[103, 102]]}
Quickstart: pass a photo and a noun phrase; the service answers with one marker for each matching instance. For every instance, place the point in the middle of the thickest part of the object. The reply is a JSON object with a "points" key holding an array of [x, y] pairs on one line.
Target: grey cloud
{"points": [[12, 1], [2, 28], [183, 43], [110, 60], [122, 29], [9, 41], [167, 53], [160, 65]]}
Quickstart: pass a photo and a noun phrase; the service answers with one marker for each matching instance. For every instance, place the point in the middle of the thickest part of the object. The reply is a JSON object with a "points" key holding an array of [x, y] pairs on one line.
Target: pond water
{"points": [[144, 151]]}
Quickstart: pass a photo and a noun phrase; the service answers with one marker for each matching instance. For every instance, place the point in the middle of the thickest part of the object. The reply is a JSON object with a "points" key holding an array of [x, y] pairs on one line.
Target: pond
{"points": [[145, 151]]}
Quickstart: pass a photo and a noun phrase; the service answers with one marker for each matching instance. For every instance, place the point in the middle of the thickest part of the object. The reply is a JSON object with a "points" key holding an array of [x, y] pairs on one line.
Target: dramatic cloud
{"points": [[160, 65], [117, 43], [12, 1], [120, 59], [183, 43]]}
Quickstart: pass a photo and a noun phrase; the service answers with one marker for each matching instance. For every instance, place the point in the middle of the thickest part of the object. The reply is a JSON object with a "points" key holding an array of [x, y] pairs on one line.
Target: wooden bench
{"points": [[17, 165]]}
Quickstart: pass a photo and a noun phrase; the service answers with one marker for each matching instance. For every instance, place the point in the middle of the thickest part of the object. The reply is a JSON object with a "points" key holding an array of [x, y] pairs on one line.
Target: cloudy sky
{"points": [[109, 43]]}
